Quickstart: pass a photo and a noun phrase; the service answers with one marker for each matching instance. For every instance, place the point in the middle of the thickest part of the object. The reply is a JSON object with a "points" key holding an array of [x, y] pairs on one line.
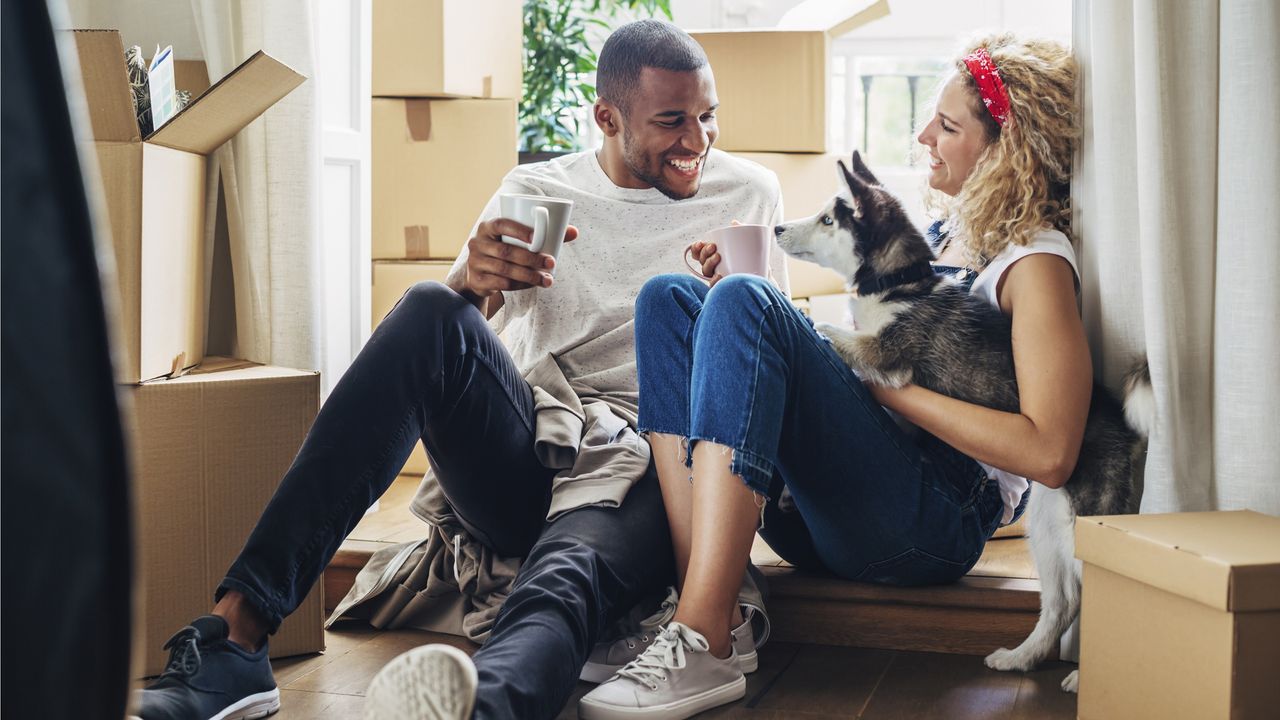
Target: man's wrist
{"points": [[458, 284]]}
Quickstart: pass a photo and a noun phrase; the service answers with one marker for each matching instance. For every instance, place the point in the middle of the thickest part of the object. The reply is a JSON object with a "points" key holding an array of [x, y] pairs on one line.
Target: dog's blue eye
{"points": [[826, 220]]}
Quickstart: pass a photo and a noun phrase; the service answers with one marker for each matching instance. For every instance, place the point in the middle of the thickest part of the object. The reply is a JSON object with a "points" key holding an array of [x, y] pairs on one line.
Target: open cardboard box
{"points": [[155, 193], [448, 48], [1180, 615], [436, 163], [774, 83]]}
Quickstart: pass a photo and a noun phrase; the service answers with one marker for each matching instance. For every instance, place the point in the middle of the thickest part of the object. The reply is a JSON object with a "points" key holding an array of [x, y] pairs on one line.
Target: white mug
{"points": [[742, 248], [548, 216]]}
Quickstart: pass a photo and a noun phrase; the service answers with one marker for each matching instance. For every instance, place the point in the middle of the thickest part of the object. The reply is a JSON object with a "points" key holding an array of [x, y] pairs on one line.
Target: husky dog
{"points": [[911, 325]]}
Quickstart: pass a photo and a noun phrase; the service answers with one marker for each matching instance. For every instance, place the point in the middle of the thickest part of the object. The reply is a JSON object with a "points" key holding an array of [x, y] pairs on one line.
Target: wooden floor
{"points": [[809, 671], [794, 681]]}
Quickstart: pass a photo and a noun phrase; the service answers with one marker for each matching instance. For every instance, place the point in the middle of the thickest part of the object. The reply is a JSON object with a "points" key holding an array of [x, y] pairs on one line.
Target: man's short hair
{"points": [[638, 45]]}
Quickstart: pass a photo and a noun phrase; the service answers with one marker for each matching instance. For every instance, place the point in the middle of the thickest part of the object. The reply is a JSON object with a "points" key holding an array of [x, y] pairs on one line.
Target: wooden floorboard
{"points": [[807, 682], [924, 685], [826, 680]]}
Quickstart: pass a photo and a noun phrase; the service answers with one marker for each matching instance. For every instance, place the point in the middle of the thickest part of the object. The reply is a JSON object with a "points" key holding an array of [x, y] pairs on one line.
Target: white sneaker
{"points": [[432, 682], [675, 677], [610, 656]]}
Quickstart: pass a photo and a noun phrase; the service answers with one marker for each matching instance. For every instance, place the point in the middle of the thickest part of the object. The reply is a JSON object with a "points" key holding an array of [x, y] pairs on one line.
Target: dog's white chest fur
{"points": [[871, 315]]}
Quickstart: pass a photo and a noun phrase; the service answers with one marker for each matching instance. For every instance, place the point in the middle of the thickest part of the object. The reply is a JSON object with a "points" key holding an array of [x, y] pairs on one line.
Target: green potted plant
{"points": [[559, 61]]}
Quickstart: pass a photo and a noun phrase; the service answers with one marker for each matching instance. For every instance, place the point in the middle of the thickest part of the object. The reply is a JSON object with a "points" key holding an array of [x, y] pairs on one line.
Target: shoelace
{"points": [[184, 653], [641, 630], [667, 653]]}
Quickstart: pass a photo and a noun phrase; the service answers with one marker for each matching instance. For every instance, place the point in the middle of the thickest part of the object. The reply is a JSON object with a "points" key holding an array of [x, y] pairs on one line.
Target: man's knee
{"points": [[433, 304]]}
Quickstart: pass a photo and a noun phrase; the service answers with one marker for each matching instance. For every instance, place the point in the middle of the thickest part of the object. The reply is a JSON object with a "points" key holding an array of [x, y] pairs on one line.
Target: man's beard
{"points": [[635, 163]]}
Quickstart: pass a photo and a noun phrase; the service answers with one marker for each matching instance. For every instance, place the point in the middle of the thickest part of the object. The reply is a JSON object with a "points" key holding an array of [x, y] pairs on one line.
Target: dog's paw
{"points": [[830, 330], [1071, 683], [1006, 659]]}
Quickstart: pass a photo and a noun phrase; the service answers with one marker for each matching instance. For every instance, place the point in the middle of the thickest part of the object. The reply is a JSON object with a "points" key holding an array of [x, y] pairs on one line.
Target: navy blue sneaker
{"points": [[210, 678]]}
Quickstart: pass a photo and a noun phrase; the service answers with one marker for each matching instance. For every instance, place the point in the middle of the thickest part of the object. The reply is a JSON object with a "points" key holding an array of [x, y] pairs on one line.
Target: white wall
{"points": [[146, 24]]}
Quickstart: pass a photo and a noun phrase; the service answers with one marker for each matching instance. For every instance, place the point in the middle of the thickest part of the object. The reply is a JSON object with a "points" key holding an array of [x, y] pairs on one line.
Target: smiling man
{"points": [[546, 520]]}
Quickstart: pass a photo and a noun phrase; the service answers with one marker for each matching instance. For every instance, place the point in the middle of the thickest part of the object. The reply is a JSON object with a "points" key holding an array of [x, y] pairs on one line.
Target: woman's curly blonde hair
{"points": [[1021, 182]]}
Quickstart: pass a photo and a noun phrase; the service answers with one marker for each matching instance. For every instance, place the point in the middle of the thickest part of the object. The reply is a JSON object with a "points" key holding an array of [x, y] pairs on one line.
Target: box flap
{"points": [[835, 17], [232, 103], [223, 369], [106, 85], [1227, 560]]}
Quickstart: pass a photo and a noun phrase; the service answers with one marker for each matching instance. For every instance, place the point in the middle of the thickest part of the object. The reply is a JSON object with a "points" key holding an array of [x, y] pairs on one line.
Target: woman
{"points": [[739, 376]]}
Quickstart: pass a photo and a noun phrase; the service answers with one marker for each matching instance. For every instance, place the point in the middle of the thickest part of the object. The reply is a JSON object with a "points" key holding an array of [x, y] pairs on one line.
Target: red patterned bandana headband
{"points": [[990, 86]]}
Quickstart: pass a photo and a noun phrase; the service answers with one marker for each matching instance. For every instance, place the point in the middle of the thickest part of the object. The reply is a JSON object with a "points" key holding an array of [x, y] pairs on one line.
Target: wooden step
{"points": [[972, 616], [996, 605]]}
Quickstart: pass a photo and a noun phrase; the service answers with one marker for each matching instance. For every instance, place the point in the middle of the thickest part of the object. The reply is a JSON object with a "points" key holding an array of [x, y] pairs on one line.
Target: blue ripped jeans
{"points": [[739, 365]]}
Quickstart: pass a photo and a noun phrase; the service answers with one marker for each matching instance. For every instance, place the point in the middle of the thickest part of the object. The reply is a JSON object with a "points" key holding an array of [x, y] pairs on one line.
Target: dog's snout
{"points": [[777, 230]]}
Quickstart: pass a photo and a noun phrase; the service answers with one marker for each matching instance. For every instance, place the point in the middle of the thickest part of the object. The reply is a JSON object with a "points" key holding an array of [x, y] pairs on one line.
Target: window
{"points": [[879, 104]]}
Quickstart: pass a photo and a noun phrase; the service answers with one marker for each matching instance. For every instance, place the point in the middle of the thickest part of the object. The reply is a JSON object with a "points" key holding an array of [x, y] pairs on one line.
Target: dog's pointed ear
{"points": [[854, 185], [861, 170]]}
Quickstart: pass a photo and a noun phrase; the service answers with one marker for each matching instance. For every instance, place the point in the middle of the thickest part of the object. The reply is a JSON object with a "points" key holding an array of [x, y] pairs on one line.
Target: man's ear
{"points": [[861, 170], [608, 118]]}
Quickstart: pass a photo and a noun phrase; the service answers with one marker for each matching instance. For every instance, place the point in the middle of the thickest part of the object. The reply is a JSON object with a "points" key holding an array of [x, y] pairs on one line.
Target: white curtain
{"points": [[1175, 194], [270, 172]]}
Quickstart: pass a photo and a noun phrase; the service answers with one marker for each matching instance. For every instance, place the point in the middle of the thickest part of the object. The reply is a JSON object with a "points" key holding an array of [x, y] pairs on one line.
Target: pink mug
{"points": [[742, 248]]}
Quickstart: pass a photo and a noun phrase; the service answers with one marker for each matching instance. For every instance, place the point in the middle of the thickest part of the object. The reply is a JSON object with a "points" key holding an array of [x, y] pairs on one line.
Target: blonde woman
{"points": [[736, 384]]}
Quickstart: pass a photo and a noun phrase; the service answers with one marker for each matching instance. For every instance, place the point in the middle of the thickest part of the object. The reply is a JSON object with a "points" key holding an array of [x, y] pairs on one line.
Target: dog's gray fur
{"points": [[933, 333]]}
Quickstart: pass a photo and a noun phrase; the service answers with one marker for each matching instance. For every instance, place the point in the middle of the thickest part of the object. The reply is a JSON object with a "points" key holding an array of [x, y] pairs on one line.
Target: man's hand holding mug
{"points": [[518, 250]]}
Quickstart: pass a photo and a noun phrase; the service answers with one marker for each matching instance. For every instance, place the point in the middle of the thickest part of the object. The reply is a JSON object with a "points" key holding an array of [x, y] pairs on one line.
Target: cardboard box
{"points": [[390, 281], [448, 48], [1181, 615], [155, 193], [774, 83], [808, 182], [210, 448], [435, 165]]}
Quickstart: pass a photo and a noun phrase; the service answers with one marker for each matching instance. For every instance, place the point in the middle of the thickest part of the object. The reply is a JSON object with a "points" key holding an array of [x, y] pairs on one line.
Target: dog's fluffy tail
{"points": [[1140, 399]]}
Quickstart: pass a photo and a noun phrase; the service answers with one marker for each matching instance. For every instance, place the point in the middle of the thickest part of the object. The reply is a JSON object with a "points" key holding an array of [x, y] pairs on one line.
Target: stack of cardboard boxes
{"points": [[211, 438], [774, 86], [446, 83]]}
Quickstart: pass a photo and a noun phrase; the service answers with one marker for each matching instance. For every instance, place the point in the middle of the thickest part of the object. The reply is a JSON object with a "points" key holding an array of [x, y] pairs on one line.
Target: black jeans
{"points": [[434, 370]]}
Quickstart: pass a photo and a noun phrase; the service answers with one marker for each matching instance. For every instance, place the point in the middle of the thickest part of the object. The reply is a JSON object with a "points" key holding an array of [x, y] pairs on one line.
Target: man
{"points": [[590, 528]]}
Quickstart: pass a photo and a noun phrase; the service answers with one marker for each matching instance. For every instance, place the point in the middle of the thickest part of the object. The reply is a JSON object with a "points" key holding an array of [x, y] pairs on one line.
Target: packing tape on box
{"points": [[178, 368], [417, 116], [417, 242]]}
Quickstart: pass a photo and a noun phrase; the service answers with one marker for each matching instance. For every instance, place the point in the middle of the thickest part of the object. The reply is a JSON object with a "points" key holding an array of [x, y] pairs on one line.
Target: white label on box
{"points": [[160, 83]]}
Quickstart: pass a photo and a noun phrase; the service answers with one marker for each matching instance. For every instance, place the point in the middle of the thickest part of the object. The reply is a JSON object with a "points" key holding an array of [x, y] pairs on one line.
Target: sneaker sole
{"points": [[418, 684], [688, 707], [252, 707], [599, 672]]}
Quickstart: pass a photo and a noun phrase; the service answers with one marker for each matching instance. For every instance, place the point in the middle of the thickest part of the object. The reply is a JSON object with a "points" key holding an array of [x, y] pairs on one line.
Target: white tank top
{"points": [[985, 286]]}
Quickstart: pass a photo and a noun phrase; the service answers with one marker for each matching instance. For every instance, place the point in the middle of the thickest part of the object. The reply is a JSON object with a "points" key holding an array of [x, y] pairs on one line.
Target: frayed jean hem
{"points": [[756, 471]]}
